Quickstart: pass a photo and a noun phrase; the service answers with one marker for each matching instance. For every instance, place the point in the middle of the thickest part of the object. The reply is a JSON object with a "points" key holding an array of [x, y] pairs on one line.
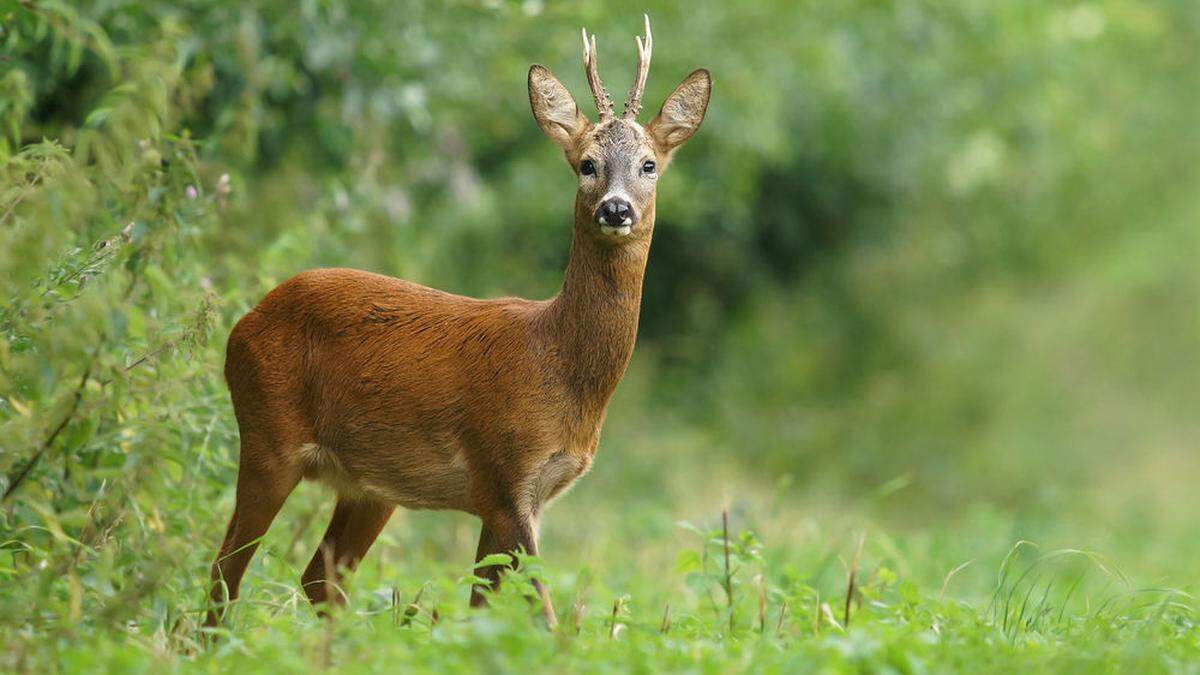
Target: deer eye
{"points": [[587, 167], [648, 166]]}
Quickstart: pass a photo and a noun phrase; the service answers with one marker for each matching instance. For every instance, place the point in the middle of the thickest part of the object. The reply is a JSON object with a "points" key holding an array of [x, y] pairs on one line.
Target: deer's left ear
{"points": [[682, 112], [553, 107]]}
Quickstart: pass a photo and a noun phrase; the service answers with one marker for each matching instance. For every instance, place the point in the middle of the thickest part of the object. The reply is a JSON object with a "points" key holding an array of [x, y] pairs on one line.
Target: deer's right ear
{"points": [[553, 107]]}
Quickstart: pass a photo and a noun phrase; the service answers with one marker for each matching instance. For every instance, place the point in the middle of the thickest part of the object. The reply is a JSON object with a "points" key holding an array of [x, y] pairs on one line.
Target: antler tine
{"points": [[604, 105], [633, 104]]}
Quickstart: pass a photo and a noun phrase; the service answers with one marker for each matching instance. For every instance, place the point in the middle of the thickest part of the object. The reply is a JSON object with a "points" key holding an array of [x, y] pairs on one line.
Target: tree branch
{"points": [[16, 480]]}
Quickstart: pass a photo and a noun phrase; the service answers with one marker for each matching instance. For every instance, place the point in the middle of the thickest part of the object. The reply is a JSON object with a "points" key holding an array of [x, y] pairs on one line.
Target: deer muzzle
{"points": [[616, 217]]}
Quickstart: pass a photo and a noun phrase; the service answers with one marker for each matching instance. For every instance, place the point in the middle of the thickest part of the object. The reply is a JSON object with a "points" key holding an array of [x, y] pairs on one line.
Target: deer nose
{"points": [[615, 213]]}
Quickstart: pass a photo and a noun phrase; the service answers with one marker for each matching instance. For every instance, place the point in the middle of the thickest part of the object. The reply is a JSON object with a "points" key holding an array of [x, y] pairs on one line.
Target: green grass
{"points": [[958, 597]]}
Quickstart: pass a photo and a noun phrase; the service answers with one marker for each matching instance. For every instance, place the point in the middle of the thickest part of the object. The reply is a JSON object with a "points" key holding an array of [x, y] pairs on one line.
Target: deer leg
{"points": [[262, 487], [314, 579], [508, 533], [354, 527]]}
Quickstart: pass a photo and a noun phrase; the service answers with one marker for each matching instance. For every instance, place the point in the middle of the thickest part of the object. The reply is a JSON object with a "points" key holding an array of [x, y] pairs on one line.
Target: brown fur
{"points": [[401, 395]]}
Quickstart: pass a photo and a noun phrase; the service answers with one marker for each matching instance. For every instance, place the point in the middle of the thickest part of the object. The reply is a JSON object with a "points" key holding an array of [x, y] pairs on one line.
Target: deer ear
{"points": [[553, 107], [682, 112]]}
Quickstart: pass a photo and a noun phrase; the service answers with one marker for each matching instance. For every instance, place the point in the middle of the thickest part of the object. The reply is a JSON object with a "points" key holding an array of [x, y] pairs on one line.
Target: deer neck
{"points": [[593, 319]]}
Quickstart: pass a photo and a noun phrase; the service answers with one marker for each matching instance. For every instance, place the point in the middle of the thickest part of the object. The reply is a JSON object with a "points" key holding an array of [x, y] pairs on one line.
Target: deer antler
{"points": [[633, 104], [604, 105]]}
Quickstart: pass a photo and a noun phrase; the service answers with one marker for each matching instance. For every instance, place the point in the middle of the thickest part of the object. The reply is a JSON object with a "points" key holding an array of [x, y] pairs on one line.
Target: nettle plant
{"points": [[105, 315]]}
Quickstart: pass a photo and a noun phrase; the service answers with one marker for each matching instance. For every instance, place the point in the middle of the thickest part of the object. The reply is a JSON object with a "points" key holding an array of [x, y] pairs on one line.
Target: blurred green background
{"points": [[927, 265]]}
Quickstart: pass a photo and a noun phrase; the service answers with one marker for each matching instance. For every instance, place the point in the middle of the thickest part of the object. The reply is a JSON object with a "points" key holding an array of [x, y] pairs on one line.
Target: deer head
{"points": [[617, 160]]}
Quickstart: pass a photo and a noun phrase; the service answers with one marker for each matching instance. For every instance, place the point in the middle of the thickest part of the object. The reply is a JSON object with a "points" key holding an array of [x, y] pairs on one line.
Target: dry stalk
{"points": [[728, 571], [851, 579]]}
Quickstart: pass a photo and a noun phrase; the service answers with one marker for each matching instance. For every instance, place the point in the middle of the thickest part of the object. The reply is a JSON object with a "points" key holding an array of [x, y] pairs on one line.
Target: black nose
{"points": [[615, 212]]}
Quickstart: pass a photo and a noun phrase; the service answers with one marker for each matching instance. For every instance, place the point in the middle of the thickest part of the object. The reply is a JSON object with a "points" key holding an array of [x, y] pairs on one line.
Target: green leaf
{"points": [[494, 559]]}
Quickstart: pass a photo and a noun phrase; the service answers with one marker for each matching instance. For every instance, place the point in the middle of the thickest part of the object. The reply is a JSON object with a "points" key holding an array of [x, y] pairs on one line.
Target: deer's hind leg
{"points": [[265, 479], [356, 524]]}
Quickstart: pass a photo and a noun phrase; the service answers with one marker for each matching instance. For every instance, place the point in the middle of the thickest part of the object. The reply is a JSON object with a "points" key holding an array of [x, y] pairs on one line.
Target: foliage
{"points": [[926, 273]]}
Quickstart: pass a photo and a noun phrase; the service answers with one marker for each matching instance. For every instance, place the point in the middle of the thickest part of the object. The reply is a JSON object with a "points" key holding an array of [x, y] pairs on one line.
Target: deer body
{"points": [[396, 394], [425, 399]]}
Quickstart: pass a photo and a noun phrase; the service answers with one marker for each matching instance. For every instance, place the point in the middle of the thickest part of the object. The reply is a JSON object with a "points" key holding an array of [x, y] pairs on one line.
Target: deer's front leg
{"points": [[508, 533]]}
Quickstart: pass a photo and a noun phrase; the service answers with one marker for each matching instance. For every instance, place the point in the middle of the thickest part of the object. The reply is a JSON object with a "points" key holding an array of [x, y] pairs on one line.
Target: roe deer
{"points": [[398, 394]]}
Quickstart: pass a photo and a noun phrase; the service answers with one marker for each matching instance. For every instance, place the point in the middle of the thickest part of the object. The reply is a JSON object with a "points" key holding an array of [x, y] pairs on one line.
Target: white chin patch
{"points": [[621, 231]]}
